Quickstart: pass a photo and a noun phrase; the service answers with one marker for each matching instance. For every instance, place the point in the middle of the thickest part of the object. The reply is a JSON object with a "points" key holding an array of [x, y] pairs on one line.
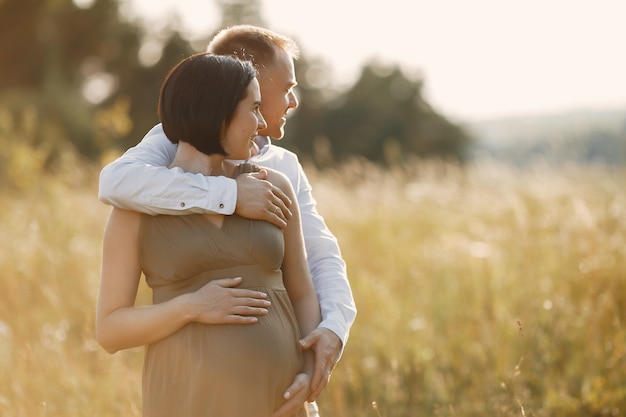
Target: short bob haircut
{"points": [[199, 97]]}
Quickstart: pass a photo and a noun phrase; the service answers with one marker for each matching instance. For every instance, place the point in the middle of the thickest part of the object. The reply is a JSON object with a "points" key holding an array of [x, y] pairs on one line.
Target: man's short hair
{"points": [[252, 43]]}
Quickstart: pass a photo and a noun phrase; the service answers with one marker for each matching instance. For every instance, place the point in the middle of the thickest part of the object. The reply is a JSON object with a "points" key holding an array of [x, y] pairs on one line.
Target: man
{"points": [[140, 181]]}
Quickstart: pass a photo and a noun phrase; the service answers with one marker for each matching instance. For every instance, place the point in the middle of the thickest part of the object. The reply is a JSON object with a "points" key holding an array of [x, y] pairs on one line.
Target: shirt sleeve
{"points": [[326, 264], [139, 180]]}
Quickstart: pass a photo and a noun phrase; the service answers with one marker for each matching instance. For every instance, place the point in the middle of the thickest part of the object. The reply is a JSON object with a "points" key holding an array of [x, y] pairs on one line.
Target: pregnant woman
{"points": [[216, 346]]}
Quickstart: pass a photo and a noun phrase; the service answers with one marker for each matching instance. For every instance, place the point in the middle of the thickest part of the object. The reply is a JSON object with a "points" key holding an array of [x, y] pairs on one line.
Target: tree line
{"points": [[76, 74]]}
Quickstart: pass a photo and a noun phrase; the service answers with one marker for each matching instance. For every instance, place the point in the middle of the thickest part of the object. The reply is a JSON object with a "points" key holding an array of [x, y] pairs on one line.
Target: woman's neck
{"points": [[189, 159]]}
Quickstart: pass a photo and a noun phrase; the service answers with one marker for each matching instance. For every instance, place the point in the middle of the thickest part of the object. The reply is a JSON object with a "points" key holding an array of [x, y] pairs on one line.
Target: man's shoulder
{"points": [[276, 155], [279, 151], [156, 132]]}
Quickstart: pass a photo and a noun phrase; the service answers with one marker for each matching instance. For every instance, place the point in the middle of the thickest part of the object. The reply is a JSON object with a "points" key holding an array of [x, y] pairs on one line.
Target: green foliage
{"points": [[77, 66], [78, 71], [51, 51], [45, 49], [386, 107], [382, 117]]}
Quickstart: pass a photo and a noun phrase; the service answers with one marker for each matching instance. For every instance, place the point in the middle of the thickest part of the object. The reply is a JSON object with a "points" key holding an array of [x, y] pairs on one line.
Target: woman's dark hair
{"points": [[199, 97]]}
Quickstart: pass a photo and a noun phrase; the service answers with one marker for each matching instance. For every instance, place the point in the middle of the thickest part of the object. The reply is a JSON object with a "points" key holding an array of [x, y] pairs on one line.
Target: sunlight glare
{"points": [[99, 87], [84, 4]]}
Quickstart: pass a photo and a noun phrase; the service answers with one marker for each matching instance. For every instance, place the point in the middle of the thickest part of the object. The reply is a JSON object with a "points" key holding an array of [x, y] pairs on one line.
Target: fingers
{"points": [[251, 307], [277, 216], [278, 197], [318, 387], [281, 201], [249, 303], [308, 341], [252, 297], [261, 174], [327, 347], [295, 396], [234, 319], [245, 313], [321, 376], [220, 302], [259, 199], [278, 210], [228, 282]]}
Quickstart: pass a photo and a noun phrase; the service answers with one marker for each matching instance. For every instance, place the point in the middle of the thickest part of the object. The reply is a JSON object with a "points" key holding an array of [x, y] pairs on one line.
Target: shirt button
{"points": [[221, 205], [182, 204]]}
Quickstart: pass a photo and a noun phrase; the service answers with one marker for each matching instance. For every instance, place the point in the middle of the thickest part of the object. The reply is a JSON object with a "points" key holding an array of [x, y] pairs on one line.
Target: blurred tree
{"points": [[140, 85], [314, 92], [48, 50], [77, 64], [382, 117], [90, 78]]}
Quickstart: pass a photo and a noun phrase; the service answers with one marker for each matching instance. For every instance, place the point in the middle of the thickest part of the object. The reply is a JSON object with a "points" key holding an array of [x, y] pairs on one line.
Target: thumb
{"points": [[308, 341], [228, 282], [261, 174]]}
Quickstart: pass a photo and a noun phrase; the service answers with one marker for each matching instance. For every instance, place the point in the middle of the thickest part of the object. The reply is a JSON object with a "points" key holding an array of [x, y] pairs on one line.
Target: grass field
{"points": [[482, 291]]}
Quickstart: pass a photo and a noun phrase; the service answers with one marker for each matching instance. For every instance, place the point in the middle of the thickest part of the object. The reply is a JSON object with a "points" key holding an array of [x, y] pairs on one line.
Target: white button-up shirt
{"points": [[140, 181]]}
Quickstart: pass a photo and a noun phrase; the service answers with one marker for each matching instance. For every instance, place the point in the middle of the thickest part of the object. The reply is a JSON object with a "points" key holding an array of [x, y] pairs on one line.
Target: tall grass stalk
{"points": [[481, 291]]}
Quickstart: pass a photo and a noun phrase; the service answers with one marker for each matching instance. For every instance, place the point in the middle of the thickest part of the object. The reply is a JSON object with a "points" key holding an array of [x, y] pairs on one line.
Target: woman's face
{"points": [[246, 122]]}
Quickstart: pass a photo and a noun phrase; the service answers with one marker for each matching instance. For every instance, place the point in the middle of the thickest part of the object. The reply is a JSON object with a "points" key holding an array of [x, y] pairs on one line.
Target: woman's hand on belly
{"points": [[220, 302]]}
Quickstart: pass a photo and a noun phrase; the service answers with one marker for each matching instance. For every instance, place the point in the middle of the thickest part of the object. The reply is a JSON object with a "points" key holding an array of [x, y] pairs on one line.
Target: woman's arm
{"points": [[328, 269], [296, 272], [121, 325], [303, 298], [326, 264]]}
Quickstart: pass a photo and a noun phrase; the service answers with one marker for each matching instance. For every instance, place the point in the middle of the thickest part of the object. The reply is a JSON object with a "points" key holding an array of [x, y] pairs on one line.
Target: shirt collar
{"points": [[262, 145]]}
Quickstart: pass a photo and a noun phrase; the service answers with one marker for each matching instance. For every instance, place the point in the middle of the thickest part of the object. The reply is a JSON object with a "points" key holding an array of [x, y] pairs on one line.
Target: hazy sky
{"points": [[480, 58]]}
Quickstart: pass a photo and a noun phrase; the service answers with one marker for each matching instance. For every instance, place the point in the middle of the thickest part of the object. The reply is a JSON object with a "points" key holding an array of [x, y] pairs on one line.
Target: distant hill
{"points": [[578, 136]]}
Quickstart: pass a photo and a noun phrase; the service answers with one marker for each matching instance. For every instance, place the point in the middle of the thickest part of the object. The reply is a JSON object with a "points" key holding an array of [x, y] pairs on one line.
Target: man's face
{"points": [[277, 97]]}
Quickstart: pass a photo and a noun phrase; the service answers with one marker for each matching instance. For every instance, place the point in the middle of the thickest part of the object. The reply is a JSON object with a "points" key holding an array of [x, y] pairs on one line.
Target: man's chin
{"points": [[274, 135]]}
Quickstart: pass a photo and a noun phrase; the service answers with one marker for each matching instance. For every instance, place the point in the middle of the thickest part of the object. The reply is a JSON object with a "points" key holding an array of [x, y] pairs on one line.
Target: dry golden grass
{"points": [[481, 291]]}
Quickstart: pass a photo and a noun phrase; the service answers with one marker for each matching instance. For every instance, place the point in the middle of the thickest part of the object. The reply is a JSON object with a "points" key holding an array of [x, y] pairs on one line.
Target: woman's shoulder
{"points": [[274, 176], [122, 222], [279, 179]]}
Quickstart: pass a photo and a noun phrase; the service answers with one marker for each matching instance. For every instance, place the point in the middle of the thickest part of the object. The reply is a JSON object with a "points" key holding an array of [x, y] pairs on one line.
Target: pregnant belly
{"points": [[231, 357]]}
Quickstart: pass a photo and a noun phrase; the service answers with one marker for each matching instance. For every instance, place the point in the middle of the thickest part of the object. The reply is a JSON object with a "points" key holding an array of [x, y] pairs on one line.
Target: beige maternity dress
{"points": [[217, 370]]}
